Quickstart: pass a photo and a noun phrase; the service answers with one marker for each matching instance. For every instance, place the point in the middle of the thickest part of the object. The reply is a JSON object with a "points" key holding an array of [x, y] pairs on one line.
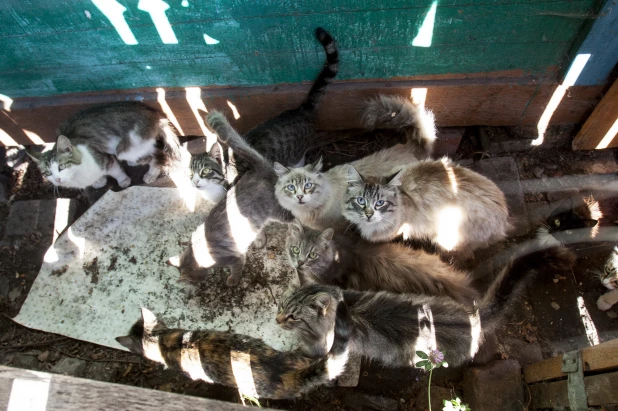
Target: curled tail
{"points": [[226, 133], [398, 113], [510, 282], [328, 73]]}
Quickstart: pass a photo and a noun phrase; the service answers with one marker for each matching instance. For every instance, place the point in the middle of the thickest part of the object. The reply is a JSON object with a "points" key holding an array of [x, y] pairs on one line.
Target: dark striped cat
{"points": [[390, 328], [240, 361], [283, 139], [327, 258], [91, 142]]}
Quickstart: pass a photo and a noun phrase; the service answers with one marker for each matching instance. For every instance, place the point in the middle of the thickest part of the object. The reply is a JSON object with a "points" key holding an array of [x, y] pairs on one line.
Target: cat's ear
{"points": [[589, 222], [280, 169], [216, 152], [317, 166], [131, 343], [34, 156], [322, 302], [354, 176], [295, 228], [326, 236], [395, 179], [63, 145], [150, 320]]}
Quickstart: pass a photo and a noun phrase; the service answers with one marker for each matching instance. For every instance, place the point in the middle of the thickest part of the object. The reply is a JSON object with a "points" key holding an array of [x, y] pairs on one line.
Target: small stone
{"points": [[28, 362], [495, 386], [612, 314], [70, 366], [555, 305], [362, 402], [538, 171], [43, 356], [544, 177], [102, 371]]}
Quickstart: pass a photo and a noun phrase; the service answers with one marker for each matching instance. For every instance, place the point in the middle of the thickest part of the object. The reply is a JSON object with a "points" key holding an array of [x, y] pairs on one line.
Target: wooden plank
{"points": [[599, 131], [455, 102], [76, 394], [600, 390], [596, 358]]}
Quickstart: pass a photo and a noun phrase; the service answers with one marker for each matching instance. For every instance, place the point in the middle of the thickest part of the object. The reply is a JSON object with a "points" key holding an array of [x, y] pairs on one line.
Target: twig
{"points": [[272, 294], [99, 360], [19, 346]]}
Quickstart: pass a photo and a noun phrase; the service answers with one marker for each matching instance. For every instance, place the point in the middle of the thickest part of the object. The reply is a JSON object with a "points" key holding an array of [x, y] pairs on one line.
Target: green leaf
{"points": [[428, 366], [422, 355], [421, 363]]}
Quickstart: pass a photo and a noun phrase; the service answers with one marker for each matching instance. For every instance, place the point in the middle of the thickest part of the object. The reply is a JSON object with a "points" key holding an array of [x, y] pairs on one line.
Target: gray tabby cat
{"points": [[390, 328], [452, 206], [207, 174], [319, 257], [609, 278], [315, 197], [284, 139], [91, 142]]}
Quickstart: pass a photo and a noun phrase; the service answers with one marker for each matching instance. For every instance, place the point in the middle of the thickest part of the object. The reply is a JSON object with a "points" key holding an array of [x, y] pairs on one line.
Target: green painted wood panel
{"points": [[53, 47]]}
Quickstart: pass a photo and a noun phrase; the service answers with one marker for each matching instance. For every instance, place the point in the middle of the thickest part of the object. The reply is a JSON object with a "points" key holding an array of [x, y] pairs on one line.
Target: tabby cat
{"points": [[91, 142], [390, 328], [452, 206], [217, 357], [207, 174], [314, 196], [284, 139], [319, 257]]}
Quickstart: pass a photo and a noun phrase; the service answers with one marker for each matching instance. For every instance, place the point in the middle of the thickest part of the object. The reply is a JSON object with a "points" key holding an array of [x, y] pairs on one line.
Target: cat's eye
{"points": [[291, 187], [308, 186], [47, 173], [295, 250], [360, 200], [313, 256], [379, 203], [62, 167], [557, 222], [204, 172], [290, 317]]}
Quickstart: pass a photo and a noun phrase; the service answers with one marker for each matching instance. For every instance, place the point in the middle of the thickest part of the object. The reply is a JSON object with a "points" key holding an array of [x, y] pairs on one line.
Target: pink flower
{"points": [[436, 357]]}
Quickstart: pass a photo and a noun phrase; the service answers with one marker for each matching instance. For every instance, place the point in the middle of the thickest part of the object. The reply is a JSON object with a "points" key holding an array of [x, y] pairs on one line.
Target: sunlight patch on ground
{"points": [[591, 330], [167, 110]]}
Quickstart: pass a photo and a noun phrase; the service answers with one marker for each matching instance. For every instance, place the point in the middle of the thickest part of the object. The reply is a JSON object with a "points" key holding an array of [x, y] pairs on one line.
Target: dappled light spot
{"points": [[234, 109], [78, 241], [240, 226], [451, 175], [190, 360], [335, 365], [609, 136], [426, 340], [475, 331], [404, 231], [34, 137], [241, 368], [7, 102], [7, 140], [194, 98], [114, 11], [448, 221], [209, 40], [574, 71], [61, 221], [419, 96], [425, 33], [199, 245], [30, 394], [156, 9], [591, 330], [167, 110]]}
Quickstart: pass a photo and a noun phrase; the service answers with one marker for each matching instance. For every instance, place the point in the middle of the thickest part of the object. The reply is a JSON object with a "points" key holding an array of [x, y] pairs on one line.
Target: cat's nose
{"points": [[58, 180], [300, 197], [280, 319], [369, 216], [301, 263]]}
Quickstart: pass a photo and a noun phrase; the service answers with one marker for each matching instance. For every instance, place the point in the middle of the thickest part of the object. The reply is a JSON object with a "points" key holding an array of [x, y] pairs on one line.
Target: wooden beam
{"points": [[601, 128], [596, 358], [600, 390], [77, 394]]}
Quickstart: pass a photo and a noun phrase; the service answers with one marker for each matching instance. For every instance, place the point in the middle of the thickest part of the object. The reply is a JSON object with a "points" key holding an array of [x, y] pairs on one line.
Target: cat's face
{"points": [[206, 172], [61, 165], [371, 204], [309, 249], [609, 277], [568, 224], [142, 339], [301, 189], [308, 311]]}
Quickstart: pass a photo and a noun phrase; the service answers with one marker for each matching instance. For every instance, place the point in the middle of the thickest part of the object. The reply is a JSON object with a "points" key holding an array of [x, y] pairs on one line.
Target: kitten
{"points": [[314, 196], [91, 142], [236, 222], [609, 278], [573, 220], [452, 206], [288, 136], [390, 328], [363, 266], [207, 174], [217, 357]]}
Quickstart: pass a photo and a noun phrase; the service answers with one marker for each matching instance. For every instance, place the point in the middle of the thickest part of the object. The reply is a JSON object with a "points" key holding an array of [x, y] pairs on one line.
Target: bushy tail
{"points": [[328, 73], [226, 133], [510, 282], [168, 152], [398, 113]]}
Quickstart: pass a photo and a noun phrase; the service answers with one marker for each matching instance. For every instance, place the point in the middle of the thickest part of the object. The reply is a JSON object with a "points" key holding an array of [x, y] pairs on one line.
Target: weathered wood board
{"points": [[600, 129], [600, 390]]}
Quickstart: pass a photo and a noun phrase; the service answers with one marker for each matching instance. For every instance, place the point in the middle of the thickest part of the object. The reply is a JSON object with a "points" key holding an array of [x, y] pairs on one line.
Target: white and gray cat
{"points": [[208, 175], [315, 197], [609, 278], [92, 141]]}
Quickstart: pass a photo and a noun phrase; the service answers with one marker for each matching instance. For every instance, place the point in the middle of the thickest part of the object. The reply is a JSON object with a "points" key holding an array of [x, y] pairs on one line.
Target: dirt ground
{"points": [[547, 317]]}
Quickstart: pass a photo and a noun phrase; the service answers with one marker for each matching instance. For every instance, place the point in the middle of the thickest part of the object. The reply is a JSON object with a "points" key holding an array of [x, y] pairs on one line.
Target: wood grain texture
{"points": [[77, 394], [596, 358], [599, 123], [67, 46], [600, 390], [456, 102]]}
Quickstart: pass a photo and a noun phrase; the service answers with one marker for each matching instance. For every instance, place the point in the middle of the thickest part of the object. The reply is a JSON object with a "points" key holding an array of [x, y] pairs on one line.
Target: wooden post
{"points": [[601, 128]]}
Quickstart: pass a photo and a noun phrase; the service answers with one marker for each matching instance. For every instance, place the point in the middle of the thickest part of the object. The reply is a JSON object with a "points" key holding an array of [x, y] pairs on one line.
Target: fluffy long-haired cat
{"points": [[327, 258], [575, 219], [390, 328], [91, 142], [609, 278], [283, 139], [314, 196], [216, 357], [437, 200]]}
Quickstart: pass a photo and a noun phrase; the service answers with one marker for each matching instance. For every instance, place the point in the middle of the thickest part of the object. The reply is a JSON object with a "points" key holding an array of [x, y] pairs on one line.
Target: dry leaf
{"points": [[612, 314], [555, 305], [97, 356], [129, 368], [43, 356]]}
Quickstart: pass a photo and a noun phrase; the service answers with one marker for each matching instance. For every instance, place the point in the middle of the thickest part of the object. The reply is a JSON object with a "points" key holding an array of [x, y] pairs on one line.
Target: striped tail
{"points": [[328, 73]]}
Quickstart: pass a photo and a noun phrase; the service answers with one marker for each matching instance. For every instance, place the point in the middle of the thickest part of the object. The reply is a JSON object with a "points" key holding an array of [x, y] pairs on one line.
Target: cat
{"points": [[92, 141], [314, 196], [216, 357], [285, 138], [327, 258], [574, 219], [237, 221], [207, 174], [452, 206], [609, 278], [390, 328]]}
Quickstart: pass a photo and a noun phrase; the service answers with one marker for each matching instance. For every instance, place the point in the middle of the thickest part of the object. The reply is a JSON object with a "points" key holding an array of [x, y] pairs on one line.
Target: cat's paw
{"points": [[151, 176], [232, 281], [216, 120], [602, 304], [125, 183], [260, 241], [100, 183]]}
